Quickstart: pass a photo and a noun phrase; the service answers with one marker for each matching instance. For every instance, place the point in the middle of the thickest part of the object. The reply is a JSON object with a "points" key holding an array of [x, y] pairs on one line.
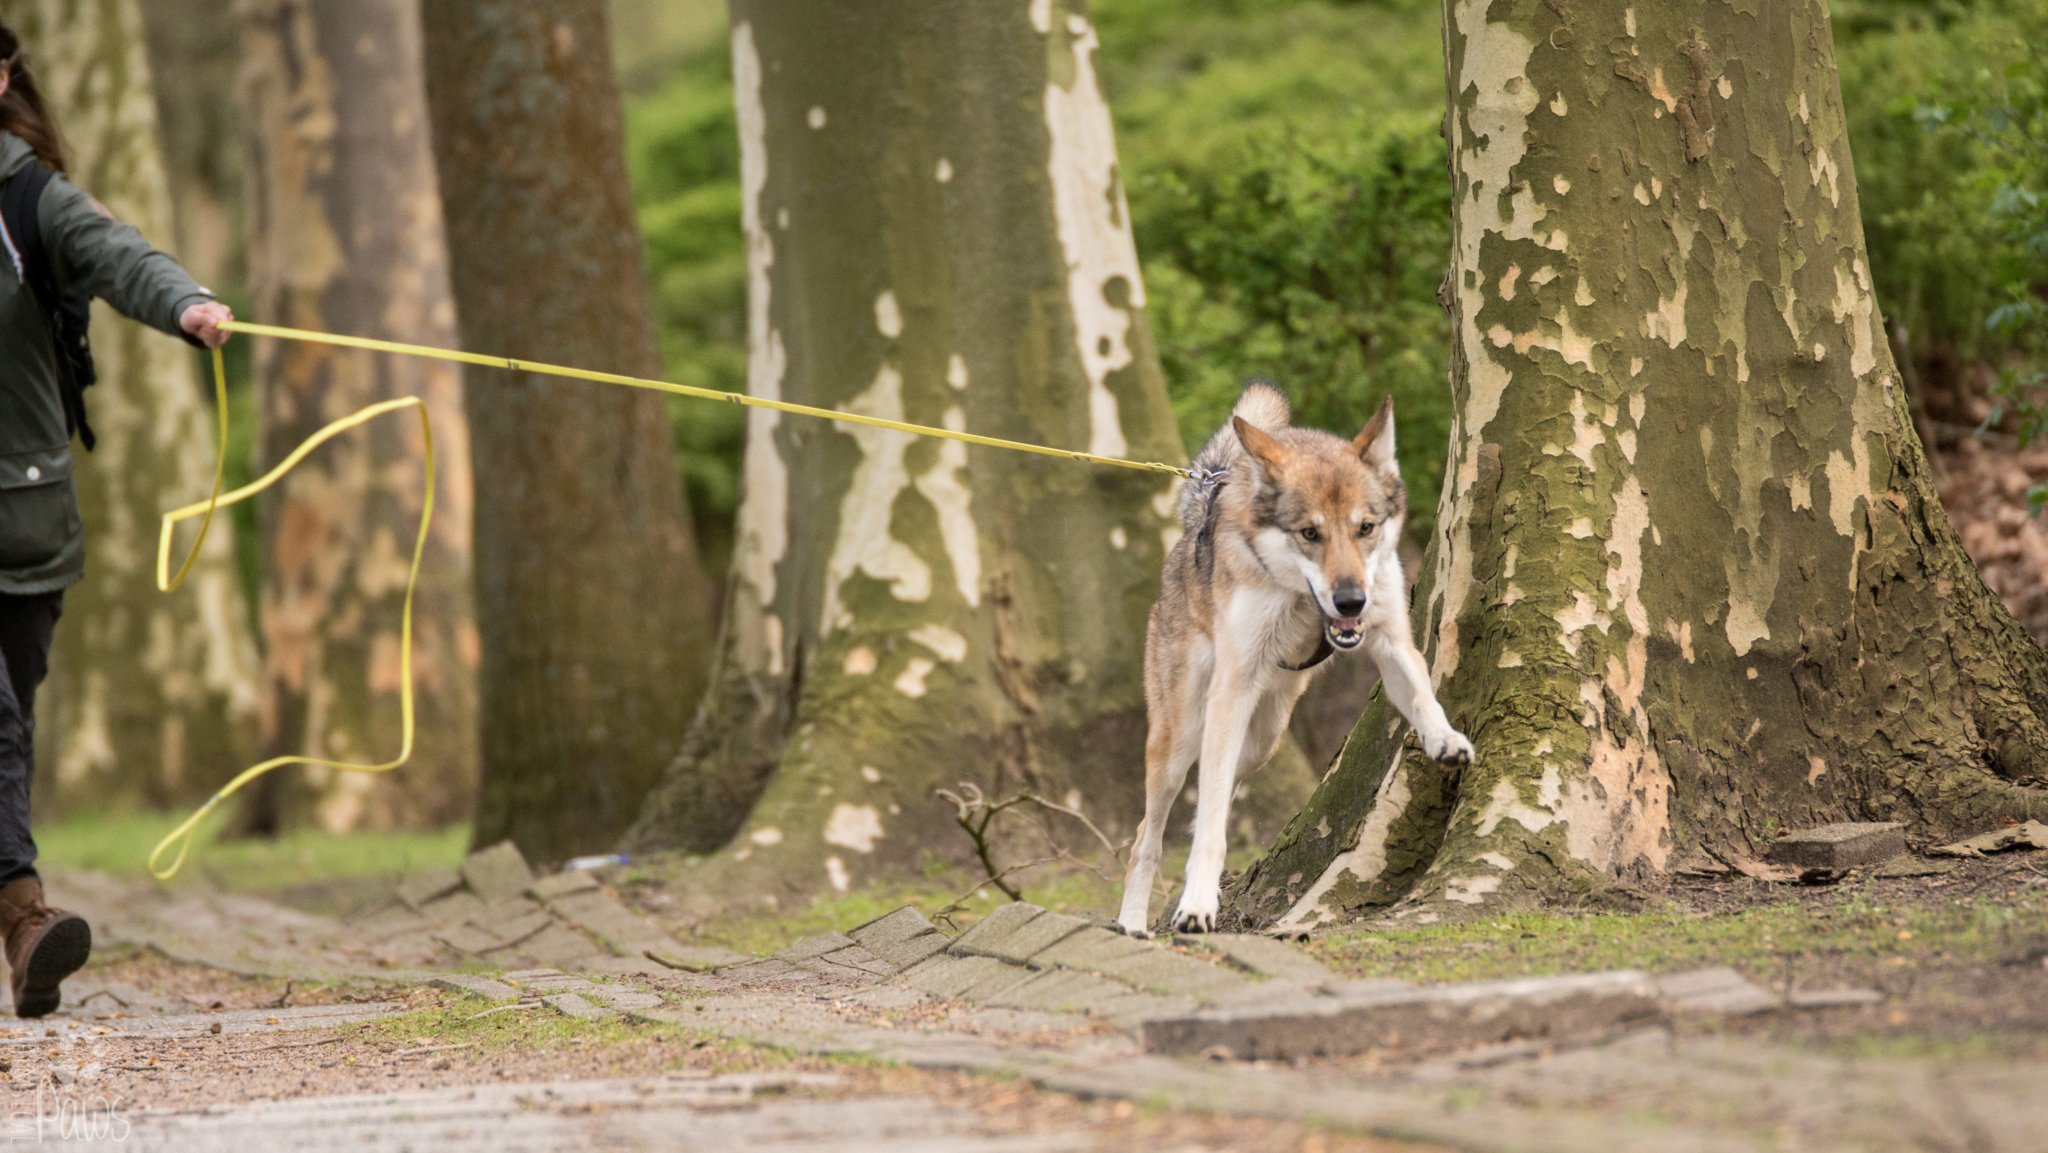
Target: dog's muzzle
{"points": [[1344, 632]]}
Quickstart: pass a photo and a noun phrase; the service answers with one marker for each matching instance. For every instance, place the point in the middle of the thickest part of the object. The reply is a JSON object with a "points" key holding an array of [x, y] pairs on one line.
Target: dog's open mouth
{"points": [[1344, 632]]}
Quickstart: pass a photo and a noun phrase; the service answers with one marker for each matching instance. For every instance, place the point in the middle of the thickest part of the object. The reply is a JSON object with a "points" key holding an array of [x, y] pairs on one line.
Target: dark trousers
{"points": [[26, 625]]}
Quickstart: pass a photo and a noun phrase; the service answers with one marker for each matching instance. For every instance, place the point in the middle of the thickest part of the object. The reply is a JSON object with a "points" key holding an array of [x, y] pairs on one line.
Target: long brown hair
{"points": [[23, 111]]}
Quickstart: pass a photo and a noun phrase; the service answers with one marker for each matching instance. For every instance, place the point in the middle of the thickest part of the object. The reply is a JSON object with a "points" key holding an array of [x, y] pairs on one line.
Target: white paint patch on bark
{"points": [[871, 774], [910, 682], [888, 315], [766, 836], [1119, 539], [1041, 16], [815, 117], [943, 171], [1095, 235], [835, 872], [956, 371], [864, 543], [1366, 859], [860, 662], [1470, 890], [1489, 141], [855, 827], [945, 486], [762, 530], [947, 643]]}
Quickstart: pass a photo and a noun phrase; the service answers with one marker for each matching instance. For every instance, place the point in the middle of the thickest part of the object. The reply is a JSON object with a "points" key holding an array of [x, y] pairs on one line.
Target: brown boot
{"points": [[44, 946]]}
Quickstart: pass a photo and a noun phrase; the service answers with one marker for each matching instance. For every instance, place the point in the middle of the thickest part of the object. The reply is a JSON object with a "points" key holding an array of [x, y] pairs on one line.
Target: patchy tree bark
{"points": [[591, 603], [936, 232], [346, 236], [194, 67], [151, 697], [1692, 584]]}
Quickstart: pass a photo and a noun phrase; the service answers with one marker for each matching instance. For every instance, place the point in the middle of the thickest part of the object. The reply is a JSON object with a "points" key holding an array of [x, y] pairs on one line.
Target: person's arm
{"points": [[112, 261]]}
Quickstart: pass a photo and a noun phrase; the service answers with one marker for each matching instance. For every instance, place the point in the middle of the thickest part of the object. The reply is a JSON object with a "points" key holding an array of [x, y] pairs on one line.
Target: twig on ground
{"points": [[422, 1050], [289, 1045], [946, 911], [974, 812]]}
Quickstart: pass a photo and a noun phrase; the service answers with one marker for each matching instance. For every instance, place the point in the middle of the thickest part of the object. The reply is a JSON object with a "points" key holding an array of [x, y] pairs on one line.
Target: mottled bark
{"points": [[346, 236], [1692, 584], [193, 64], [590, 600], [151, 697], [936, 232]]}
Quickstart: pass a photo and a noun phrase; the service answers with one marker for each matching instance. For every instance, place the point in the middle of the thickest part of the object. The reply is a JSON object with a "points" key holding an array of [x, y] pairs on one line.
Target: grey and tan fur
{"points": [[1293, 539]]}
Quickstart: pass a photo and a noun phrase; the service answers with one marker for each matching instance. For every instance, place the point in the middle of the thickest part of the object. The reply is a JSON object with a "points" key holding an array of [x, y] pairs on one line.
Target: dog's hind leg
{"points": [[1170, 749]]}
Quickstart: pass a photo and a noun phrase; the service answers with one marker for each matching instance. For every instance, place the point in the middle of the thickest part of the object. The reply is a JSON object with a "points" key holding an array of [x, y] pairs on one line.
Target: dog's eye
{"points": [[1366, 527], [1311, 533]]}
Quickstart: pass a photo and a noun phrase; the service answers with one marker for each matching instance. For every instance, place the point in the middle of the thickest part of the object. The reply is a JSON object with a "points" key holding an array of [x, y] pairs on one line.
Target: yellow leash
{"points": [[181, 837]]}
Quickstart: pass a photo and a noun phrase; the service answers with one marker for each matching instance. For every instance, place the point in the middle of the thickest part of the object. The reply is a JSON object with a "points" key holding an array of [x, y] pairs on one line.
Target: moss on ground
{"points": [[1905, 927], [119, 843]]}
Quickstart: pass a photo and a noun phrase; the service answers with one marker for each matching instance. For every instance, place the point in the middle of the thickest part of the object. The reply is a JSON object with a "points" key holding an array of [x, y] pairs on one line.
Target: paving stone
{"points": [[419, 888], [562, 884], [388, 922], [497, 872], [1833, 998], [1270, 958], [1847, 845], [476, 986], [556, 944], [623, 999], [858, 958], [1035, 936], [547, 981], [695, 958], [457, 908], [1090, 949], [466, 939], [946, 976], [1132, 1010], [497, 913], [512, 932], [991, 931], [1158, 970], [891, 928], [1060, 991], [816, 946], [573, 1005], [996, 981], [614, 925], [1720, 991], [1432, 1019], [771, 971]]}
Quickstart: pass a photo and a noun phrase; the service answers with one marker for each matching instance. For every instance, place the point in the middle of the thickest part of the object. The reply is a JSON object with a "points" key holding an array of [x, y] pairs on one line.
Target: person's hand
{"points": [[203, 322]]}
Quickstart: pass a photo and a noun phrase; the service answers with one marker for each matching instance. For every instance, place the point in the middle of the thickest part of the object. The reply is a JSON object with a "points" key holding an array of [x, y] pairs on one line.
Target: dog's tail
{"points": [[1261, 405]]}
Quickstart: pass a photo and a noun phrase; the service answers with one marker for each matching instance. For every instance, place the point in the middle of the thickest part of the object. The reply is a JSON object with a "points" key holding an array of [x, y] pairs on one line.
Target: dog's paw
{"points": [[1448, 748], [1195, 915], [1139, 930]]}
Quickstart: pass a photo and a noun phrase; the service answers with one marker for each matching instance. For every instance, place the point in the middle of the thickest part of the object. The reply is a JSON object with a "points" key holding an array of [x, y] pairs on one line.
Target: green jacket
{"points": [[42, 542]]}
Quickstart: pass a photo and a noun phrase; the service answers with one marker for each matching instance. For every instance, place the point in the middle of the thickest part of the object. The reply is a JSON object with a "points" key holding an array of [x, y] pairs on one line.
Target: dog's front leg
{"points": [[1234, 696], [1407, 680]]}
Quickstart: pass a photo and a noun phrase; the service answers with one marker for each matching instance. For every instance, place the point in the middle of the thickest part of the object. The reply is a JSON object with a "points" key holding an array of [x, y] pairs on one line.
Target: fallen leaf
{"points": [[2030, 835]]}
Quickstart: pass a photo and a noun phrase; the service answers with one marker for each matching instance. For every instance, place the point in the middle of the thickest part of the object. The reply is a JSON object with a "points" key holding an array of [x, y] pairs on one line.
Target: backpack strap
{"points": [[69, 312]]}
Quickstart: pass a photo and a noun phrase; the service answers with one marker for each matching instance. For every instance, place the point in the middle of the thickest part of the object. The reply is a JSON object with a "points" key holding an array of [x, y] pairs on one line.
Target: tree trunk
{"points": [[151, 696], [590, 599], [936, 233], [346, 237], [1692, 584], [194, 67]]}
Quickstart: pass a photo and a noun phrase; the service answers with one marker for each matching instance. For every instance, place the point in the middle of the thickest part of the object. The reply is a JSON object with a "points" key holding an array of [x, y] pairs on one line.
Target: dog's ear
{"points": [[1375, 442], [1269, 452]]}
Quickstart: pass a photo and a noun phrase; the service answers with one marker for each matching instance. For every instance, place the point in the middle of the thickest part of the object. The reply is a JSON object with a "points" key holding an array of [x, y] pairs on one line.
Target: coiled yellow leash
{"points": [[181, 837]]}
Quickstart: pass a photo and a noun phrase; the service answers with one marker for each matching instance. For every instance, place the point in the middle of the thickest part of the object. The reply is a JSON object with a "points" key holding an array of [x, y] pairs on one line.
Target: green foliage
{"points": [[1948, 110], [1289, 192]]}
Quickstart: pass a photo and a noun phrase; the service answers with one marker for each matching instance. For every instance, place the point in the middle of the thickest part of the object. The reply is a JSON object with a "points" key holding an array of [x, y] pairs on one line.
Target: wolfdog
{"points": [[1290, 552]]}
